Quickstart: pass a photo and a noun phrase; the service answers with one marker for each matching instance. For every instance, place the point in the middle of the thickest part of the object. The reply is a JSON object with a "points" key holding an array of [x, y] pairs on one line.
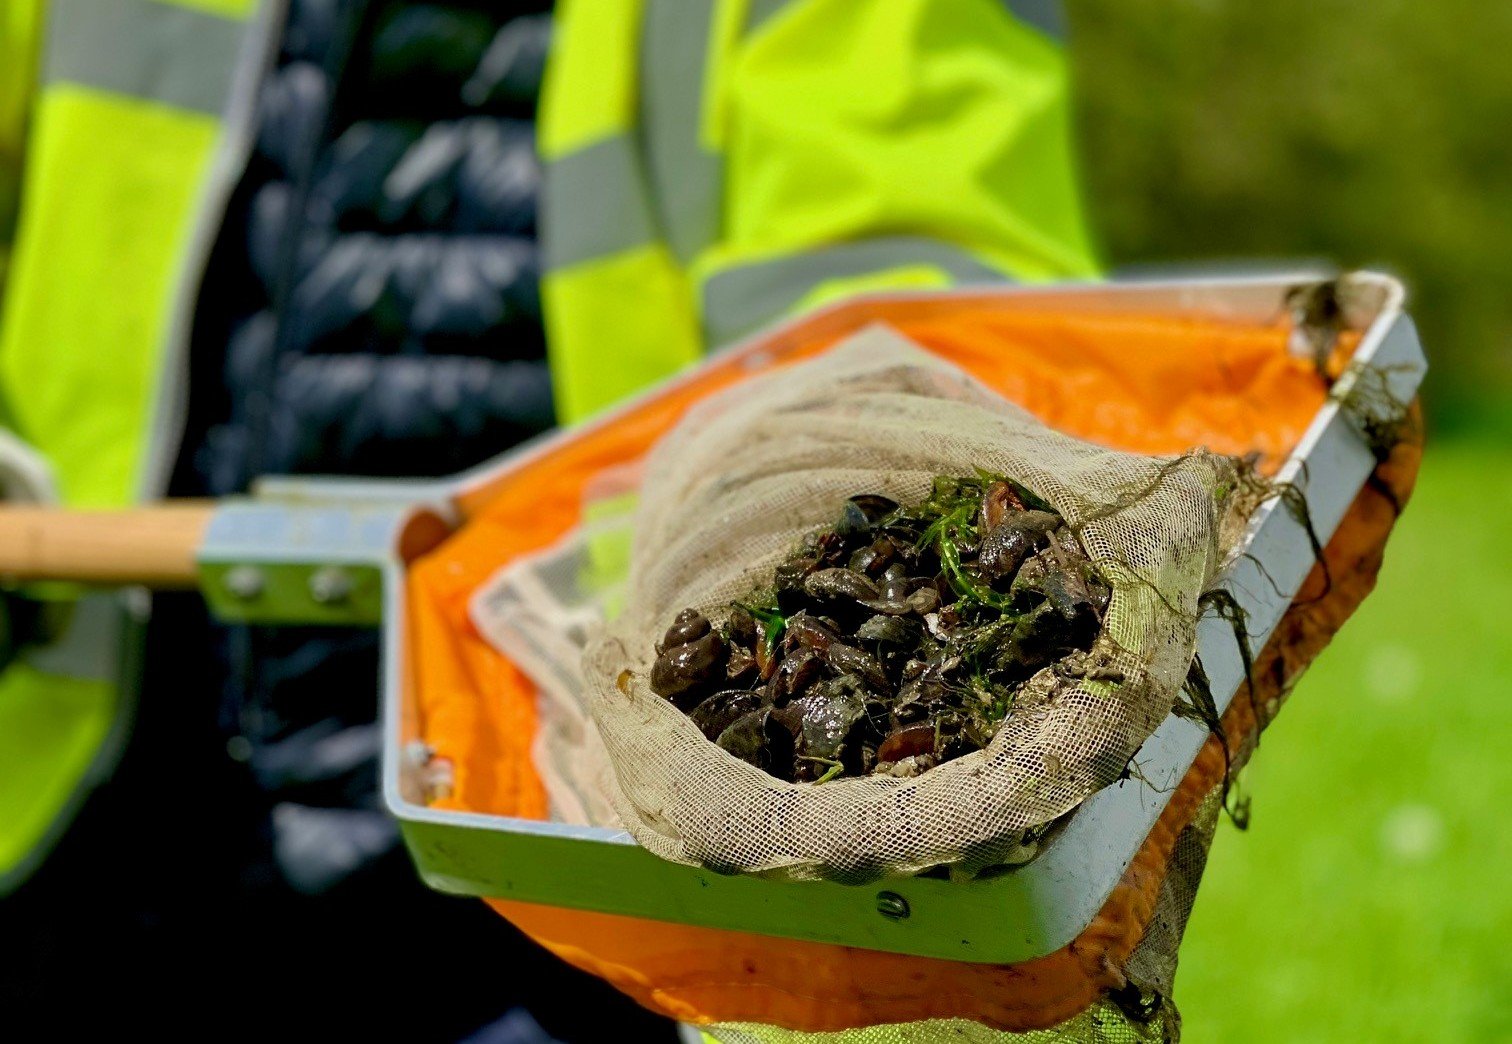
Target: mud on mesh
{"points": [[739, 483], [1102, 1023]]}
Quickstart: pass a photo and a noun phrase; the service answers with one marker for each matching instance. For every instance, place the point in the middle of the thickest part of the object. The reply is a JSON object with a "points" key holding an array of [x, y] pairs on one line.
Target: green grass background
{"points": [[1367, 132], [1371, 900]]}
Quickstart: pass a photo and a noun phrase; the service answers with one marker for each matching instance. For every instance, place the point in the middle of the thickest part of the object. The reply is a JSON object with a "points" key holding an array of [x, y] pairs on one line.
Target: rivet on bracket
{"points": [[244, 582], [330, 585], [892, 906]]}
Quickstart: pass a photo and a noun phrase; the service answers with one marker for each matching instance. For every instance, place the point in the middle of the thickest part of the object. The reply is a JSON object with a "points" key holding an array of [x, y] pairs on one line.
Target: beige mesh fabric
{"points": [[1151, 970], [734, 488], [1102, 1023], [538, 611]]}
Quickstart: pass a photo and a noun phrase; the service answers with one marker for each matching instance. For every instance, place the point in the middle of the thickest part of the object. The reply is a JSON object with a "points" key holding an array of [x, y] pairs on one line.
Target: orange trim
{"points": [[1143, 383], [703, 975]]}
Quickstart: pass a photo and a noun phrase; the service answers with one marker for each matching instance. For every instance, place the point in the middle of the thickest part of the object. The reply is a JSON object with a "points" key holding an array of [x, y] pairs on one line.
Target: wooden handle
{"points": [[154, 545]]}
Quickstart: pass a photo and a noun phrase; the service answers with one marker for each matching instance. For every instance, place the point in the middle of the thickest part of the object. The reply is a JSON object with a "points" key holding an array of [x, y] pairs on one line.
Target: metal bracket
{"points": [[1016, 916], [277, 562]]}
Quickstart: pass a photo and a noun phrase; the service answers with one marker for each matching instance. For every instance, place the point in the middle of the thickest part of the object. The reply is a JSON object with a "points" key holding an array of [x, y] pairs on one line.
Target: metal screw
{"points": [[244, 582], [330, 585], [892, 906]]}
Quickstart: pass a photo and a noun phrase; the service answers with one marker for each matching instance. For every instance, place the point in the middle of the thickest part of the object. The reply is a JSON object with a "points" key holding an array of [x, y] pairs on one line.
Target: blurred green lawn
{"points": [[1374, 133], [1371, 898]]}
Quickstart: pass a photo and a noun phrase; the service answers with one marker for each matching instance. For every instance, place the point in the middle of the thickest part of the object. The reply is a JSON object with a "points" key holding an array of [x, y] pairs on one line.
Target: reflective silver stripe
{"points": [[102, 626], [1045, 15], [259, 49], [738, 301], [155, 51], [760, 12], [90, 645], [594, 202], [1048, 16], [686, 180]]}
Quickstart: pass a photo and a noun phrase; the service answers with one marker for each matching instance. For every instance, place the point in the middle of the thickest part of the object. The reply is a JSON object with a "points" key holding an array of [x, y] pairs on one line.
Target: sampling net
{"points": [[1140, 1012], [1113, 983], [730, 492]]}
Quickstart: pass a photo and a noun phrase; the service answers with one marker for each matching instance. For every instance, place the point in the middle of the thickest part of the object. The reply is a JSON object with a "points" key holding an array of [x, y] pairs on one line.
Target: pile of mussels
{"points": [[892, 641]]}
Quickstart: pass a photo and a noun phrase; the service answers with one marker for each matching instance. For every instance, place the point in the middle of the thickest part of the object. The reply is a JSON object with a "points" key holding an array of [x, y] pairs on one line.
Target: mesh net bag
{"points": [[1137, 1012], [1113, 983], [539, 612], [736, 486]]}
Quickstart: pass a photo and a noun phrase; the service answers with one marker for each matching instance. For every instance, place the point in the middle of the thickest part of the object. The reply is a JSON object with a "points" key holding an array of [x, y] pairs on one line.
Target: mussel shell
{"points": [[741, 628], [853, 522], [790, 575], [789, 582], [875, 558], [808, 631], [742, 665], [874, 506], [797, 671], [908, 741], [1039, 637], [904, 595], [688, 625], [924, 600], [1009, 543], [1068, 543], [1067, 594], [1031, 575], [758, 739], [839, 584], [847, 659], [890, 630], [921, 692], [719, 711], [910, 767], [826, 715], [683, 671], [831, 547], [997, 500]]}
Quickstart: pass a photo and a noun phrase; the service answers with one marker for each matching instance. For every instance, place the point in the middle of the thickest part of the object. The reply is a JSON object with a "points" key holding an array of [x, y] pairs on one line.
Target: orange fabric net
{"points": [[1141, 383]]}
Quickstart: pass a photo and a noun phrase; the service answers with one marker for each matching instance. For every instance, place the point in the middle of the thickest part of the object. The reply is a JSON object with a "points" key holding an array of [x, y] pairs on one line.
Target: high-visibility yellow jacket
{"points": [[712, 166], [135, 114], [715, 166]]}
